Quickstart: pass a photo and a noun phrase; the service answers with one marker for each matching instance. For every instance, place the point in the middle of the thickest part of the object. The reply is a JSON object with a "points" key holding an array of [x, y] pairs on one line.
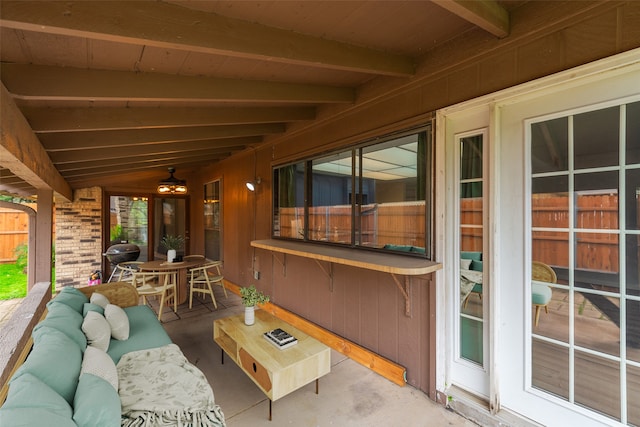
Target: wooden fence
{"points": [[14, 231], [399, 223], [594, 251]]}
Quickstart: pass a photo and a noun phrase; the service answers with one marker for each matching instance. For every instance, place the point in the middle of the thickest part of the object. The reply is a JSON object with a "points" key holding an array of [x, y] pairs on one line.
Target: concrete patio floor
{"points": [[350, 395]]}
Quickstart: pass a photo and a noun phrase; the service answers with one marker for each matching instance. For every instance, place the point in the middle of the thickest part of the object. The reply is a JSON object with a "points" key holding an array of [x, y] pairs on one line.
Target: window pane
{"points": [[471, 343], [549, 146], [471, 160], [551, 248], [170, 216], [597, 259], [212, 221], [597, 383], [597, 319], [633, 330], [633, 133], [330, 207], [391, 210], [597, 138], [550, 368], [597, 200], [128, 222], [550, 202], [633, 264], [633, 391], [632, 199], [288, 193]]}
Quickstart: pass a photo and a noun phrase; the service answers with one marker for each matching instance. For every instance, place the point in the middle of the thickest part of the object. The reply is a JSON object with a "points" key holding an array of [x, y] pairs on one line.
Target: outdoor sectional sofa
{"points": [[140, 378]]}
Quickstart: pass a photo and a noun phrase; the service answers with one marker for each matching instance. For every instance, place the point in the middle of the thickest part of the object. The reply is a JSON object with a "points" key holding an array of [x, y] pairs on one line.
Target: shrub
{"points": [[22, 257]]}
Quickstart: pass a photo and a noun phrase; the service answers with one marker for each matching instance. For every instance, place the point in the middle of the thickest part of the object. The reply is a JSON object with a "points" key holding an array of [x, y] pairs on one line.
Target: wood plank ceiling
{"points": [[129, 88]]}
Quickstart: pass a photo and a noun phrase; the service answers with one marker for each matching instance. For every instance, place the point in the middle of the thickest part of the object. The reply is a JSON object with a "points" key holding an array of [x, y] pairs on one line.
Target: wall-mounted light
{"points": [[251, 185], [172, 185]]}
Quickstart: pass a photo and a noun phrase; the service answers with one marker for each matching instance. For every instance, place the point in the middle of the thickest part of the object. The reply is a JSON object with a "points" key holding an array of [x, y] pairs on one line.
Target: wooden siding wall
{"points": [[365, 306]]}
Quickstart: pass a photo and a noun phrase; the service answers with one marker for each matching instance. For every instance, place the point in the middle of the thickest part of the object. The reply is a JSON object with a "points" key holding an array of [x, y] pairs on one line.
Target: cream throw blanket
{"points": [[159, 387]]}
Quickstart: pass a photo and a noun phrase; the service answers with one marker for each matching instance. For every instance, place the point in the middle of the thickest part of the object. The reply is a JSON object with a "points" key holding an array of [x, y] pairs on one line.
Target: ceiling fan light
{"points": [[172, 185]]}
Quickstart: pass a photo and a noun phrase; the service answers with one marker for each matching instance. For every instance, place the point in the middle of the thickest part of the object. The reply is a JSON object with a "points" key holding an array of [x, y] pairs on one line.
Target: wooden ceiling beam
{"points": [[23, 190], [131, 163], [45, 120], [164, 25], [122, 139], [147, 23], [486, 14], [149, 151], [44, 82], [144, 164], [22, 153]]}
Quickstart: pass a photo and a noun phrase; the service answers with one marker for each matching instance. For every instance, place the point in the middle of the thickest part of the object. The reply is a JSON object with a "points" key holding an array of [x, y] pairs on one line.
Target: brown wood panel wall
{"points": [[362, 305], [553, 37]]}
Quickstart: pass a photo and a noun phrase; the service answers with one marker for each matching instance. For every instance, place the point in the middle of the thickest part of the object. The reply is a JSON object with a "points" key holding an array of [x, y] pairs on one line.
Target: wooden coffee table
{"points": [[276, 372]]}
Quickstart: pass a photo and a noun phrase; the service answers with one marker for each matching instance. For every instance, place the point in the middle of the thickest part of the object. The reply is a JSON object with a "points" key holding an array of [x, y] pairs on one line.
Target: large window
{"points": [[375, 195]]}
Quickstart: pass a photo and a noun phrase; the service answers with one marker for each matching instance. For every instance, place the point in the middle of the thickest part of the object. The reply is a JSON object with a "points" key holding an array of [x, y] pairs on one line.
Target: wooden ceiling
{"points": [[133, 87]]}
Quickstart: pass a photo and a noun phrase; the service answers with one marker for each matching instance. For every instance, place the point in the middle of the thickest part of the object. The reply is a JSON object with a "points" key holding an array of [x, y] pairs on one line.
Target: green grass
{"points": [[13, 282]]}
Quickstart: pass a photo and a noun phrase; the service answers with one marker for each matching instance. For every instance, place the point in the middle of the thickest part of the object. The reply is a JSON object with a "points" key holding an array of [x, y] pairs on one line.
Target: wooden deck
{"points": [[597, 379]]}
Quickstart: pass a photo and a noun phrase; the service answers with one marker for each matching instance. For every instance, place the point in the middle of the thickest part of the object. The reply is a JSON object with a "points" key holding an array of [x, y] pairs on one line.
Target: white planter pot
{"points": [[171, 255], [249, 315]]}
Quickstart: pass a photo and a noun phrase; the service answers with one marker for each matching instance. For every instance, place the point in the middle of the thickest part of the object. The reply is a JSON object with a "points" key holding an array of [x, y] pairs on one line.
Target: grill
{"points": [[122, 252]]}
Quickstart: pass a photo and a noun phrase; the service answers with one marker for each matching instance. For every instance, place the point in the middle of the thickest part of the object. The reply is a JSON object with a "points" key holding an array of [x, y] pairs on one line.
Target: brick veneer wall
{"points": [[78, 237]]}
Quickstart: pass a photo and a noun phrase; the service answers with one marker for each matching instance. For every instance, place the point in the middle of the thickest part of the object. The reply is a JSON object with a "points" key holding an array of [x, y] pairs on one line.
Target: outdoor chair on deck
{"points": [[201, 278], [193, 258], [160, 283], [125, 270], [541, 294]]}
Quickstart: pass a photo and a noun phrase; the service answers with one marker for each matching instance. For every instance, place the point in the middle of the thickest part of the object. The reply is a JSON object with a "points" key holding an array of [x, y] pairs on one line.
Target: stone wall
{"points": [[78, 237]]}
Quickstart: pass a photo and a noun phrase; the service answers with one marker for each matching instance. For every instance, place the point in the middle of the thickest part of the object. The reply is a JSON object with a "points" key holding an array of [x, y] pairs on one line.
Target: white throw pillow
{"points": [[98, 363], [97, 330], [99, 299], [118, 321], [465, 264]]}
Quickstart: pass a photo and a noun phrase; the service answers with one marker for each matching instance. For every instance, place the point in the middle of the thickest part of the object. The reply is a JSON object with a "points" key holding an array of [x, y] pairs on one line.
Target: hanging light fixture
{"points": [[172, 185]]}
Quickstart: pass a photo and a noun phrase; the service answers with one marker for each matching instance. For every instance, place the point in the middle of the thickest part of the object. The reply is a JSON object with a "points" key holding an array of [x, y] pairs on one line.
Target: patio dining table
{"points": [[181, 268]]}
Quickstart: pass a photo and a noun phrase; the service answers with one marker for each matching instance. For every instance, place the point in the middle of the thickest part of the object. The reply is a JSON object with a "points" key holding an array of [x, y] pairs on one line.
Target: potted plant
{"points": [[172, 244], [250, 297]]}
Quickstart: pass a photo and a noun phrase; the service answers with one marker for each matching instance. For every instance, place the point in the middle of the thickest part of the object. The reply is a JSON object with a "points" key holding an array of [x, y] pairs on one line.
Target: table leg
{"points": [[269, 409], [317, 384], [182, 286], [221, 356]]}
